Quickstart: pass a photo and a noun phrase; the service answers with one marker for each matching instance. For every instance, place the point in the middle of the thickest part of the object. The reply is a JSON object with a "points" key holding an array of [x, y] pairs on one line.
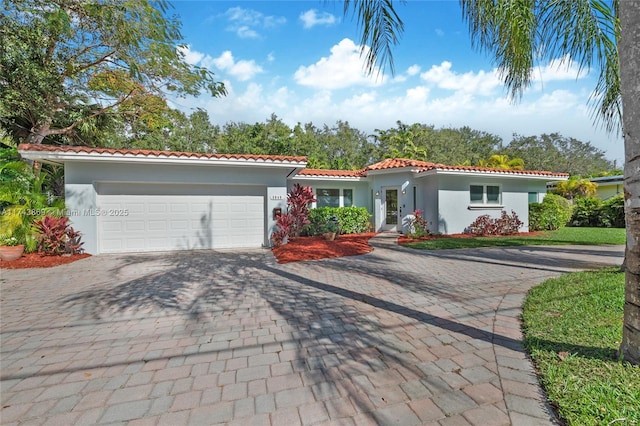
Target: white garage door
{"points": [[149, 217]]}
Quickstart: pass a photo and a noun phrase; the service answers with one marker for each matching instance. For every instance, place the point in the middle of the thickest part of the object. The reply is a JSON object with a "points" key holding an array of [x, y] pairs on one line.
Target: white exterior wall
{"points": [[428, 202], [456, 212], [81, 179]]}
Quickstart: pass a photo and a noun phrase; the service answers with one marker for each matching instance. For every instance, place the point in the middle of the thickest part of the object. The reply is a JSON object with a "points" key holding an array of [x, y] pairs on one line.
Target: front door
{"points": [[392, 213]]}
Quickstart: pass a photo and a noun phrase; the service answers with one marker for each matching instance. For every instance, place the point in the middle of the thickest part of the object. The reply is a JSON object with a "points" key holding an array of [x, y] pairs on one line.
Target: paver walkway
{"points": [[392, 337]]}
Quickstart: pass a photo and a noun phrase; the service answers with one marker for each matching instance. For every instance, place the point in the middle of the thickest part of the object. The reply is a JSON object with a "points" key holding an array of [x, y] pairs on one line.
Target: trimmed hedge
{"points": [[351, 220], [552, 213]]}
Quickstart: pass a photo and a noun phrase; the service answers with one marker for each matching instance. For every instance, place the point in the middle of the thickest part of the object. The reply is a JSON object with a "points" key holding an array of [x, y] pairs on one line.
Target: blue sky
{"points": [[300, 61]]}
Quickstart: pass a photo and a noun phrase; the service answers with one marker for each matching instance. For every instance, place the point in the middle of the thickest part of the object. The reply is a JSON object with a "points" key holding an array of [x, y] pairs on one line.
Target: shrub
{"points": [[418, 225], [586, 211], [504, 225], [612, 212], [284, 223], [56, 236], [554, 212], [351, 220], [291, 224], [298, 201]]}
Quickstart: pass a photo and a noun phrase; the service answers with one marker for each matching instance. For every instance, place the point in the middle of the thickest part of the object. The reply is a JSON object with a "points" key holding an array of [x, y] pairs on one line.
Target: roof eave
{"points": [[491, 174], [336, 178], [62, 157]]}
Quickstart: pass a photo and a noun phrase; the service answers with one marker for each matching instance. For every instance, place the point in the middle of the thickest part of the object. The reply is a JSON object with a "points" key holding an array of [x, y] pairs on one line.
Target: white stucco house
{"points": [[124, 200]]}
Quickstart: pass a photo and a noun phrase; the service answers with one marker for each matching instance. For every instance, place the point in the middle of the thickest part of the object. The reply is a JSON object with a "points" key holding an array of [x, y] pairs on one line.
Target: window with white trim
{"points": [[485, 194], [327, 197], [334, 197]]}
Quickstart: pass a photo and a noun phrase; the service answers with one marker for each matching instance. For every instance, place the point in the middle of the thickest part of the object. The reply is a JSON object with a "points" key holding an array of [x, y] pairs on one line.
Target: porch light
{"points": [[404, 192], [377, 193]]}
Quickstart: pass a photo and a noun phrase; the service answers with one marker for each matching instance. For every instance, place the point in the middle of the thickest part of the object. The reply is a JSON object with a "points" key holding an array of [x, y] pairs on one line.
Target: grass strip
{"points": [[562, 236], [573, 327]]}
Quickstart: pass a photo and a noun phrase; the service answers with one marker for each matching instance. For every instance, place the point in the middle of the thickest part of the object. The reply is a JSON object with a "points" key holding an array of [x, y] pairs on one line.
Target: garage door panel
{"points": [[179, 222]]}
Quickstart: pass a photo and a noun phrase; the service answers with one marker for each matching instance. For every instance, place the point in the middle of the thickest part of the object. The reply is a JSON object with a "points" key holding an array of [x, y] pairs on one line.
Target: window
{"points": [[334, 197], [328, 197], [533, 197], [477, 194], [347, 197], [484, 194]]}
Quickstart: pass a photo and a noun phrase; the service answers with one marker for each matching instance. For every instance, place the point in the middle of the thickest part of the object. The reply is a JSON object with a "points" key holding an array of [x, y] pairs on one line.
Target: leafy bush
{"points": [[284, 222], [351, 220], [418, 225], [291, 224], [504, 225], [56, 236], [586, 211], [553, 213], [298, 201], [612, 212]]}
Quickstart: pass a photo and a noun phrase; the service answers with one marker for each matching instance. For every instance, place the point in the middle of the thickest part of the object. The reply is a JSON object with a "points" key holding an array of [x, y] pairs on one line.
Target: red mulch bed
{"points": [[313, 248], [37, 260], [403, 239]]}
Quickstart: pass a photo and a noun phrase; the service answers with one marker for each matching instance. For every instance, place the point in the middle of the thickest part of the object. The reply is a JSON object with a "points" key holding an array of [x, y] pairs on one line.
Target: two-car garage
{"points": [[162, 217], [128, 200]]}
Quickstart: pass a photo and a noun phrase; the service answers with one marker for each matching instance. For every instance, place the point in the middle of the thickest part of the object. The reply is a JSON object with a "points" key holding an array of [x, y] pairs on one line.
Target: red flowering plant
{"points": [[290, 224], [418, 225]]}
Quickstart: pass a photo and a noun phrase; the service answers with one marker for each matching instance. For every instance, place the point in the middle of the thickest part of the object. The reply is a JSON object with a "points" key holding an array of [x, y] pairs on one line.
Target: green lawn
{"points": [[573, 327], [562, 236]]}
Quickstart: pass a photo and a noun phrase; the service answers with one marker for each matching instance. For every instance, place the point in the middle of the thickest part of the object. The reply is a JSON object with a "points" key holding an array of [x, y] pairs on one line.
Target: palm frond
{"points": [[381, 29], [518, 33], [508, 31]]}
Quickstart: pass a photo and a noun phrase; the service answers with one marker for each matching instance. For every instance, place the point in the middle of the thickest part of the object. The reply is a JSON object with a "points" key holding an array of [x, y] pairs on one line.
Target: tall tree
{"points": [[517, 35], [630, 85], [559, 154], [66, 64]]}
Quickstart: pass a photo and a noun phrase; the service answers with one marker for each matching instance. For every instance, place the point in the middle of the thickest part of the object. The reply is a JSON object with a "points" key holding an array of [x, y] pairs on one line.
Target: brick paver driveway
{"points": [[391, 337]]}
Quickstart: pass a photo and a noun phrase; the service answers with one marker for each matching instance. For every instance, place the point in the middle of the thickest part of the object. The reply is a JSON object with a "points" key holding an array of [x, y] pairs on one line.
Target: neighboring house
{"points": [[125, 200], [608, 186]]}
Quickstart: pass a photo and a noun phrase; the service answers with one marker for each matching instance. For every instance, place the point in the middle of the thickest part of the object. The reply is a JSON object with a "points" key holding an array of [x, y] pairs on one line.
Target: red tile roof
{"points": [[490, 170], [332, 173], [397, 163], [155, 153], [424, 166], [389, 163]]}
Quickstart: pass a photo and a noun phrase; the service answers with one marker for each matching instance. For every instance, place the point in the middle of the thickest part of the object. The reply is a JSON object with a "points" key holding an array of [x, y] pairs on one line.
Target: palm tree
{"points": [[497, 161], [597, 34]]}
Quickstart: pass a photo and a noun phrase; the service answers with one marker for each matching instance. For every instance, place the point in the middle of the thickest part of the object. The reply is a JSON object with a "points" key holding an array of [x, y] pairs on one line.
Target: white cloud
{"points": [[413, 70], [482, 83], [343, 68], [311, 18], [439, 32], [410, 72], [246, 22], [242, 70], [191, 57], [559, 69]]}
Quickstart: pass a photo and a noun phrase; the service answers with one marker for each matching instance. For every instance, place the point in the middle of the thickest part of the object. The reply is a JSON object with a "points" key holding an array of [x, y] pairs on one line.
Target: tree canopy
{"points": [[70, 68]]}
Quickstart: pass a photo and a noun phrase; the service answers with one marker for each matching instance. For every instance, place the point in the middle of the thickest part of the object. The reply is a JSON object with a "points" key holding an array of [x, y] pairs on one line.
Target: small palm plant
{"points": [[22, 199]]}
